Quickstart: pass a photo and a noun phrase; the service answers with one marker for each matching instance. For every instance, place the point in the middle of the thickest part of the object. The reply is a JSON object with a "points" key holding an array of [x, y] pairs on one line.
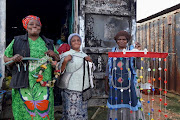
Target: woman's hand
{"points": [[68, 58], [50, 53], [17, 58], [88, 58], [138, 45], [53, 55]]}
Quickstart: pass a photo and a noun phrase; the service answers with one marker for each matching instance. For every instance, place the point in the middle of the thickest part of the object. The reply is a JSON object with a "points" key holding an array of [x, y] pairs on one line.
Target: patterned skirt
{"points": [[124, 114], [73, 106]]}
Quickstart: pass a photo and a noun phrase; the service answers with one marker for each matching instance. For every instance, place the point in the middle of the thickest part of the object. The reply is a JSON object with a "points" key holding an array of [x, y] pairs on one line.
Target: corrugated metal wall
{"points": [[162, 34]]}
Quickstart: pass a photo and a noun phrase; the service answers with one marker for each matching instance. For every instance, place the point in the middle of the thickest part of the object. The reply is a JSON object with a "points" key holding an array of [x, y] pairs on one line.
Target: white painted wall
{"points": [[147, 8]]}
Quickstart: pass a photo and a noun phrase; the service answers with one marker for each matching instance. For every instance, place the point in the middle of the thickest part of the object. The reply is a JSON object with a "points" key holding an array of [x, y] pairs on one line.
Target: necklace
{"points": [[43, 67]]}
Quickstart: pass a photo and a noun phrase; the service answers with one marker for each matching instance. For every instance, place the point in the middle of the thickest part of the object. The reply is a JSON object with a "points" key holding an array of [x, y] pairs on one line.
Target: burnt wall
{"points": [[103, 19], [109, 7]]}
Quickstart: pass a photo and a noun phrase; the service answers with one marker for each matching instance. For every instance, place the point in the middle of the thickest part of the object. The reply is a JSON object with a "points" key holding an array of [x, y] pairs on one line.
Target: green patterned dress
{"points": [[35, 102]]}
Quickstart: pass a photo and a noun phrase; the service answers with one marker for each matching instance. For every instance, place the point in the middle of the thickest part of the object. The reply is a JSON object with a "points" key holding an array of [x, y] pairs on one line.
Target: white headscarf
{"points": [[72, 35]]}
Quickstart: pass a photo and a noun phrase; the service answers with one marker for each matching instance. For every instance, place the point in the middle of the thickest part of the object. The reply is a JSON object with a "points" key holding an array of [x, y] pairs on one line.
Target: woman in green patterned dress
{"points": [[30, 100]]}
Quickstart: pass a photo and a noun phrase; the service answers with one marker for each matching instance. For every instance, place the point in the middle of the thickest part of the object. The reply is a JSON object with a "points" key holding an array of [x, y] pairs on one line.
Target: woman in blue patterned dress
{"points": [[123, 101]]}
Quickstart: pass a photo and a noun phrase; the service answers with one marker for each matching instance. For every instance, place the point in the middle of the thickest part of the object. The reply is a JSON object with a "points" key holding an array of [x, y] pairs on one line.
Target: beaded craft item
{"points": [[152, 59]]}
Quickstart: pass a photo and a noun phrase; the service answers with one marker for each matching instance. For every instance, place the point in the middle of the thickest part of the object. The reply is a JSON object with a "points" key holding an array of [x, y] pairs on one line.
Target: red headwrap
{"points": [[26, 20]]}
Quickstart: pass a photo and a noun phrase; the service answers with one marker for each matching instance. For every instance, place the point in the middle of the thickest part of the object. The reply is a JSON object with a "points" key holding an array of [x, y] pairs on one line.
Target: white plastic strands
{"points": [[149, 90], [165, 91]]}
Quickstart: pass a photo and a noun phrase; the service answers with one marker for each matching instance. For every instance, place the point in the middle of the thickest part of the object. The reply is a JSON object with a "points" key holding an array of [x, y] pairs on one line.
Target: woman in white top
{"points": [[74, 108]]}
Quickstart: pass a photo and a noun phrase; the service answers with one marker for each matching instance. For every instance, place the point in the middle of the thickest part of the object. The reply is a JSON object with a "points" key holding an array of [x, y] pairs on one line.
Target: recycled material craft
{"points": [[117, 90]]}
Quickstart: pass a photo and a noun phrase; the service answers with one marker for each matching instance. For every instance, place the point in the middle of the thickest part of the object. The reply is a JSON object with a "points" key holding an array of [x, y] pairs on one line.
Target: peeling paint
{"points": [[109, 7], [102, 20], [2, 37], [101, 29]]}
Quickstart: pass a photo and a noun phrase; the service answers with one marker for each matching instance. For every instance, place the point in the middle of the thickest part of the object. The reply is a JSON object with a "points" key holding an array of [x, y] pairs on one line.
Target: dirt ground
{"points": [[173, 109], [172, 114]]}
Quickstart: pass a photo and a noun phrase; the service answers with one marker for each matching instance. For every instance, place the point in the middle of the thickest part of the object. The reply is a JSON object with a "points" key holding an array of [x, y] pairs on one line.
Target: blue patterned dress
{"points": [[123, 102]]}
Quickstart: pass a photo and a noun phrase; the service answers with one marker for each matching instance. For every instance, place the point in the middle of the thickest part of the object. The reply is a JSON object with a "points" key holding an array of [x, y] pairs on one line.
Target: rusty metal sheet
{"points": [[163, 35], [148, 37], [166, 42], [145, 73], [141, 40], [177, 46], [138, 34], [145, 36], [151, 46], [156, 45], [152, 36], [156, 35], [173, 62], [161, 40], [170, 65]]}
